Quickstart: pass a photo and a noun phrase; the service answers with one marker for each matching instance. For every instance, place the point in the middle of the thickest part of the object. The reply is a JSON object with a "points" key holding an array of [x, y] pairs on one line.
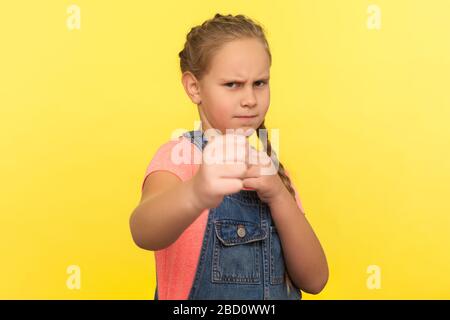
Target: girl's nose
{"points": [[249, 99]]}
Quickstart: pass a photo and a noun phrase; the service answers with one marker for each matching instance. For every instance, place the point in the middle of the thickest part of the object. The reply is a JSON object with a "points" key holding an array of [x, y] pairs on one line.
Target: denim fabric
{"points": [[241, 255]]}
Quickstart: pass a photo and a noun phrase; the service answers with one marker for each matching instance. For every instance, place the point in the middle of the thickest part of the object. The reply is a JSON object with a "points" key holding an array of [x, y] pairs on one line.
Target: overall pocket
{"points": [[277, 266], [237, 251]]}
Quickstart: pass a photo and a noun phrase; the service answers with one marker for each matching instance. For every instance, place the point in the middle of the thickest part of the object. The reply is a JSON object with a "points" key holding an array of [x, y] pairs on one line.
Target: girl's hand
{"points": [[224, 165], [262, 175]]}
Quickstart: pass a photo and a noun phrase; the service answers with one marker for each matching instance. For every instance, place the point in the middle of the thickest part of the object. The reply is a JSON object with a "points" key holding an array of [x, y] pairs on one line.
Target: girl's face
{"points": [[235, 92]]}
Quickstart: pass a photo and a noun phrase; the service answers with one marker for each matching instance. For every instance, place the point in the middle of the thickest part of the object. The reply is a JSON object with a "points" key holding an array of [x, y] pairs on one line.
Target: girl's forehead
{"points": [[241, 58]]}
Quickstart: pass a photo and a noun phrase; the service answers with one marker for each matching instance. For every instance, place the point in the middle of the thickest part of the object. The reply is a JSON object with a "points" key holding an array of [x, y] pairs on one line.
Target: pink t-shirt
{"points": [[176, 265]]}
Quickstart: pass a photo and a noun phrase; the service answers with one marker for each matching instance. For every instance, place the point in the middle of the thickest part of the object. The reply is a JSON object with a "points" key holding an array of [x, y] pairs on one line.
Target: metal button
{"points": [[241, 231]]}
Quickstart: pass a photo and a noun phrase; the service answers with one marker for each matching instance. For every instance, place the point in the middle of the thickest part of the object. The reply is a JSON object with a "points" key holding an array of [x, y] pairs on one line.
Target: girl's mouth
{"points": [[245, 117]]}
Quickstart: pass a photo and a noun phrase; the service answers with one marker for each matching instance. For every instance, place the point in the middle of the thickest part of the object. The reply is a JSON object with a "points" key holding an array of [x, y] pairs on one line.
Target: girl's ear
{"points": [[191, 86]]}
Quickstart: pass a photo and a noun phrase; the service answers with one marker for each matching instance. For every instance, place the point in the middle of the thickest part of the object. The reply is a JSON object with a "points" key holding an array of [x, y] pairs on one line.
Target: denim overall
{"points": [[241, 255]]}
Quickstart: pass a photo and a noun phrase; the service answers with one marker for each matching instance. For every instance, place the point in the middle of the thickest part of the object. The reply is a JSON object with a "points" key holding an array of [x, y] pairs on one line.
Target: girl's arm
{"points": [[305, 259], [168, 206]]}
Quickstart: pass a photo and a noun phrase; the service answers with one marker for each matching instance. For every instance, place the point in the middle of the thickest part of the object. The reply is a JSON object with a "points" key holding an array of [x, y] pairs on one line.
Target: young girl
{"points": [[223, 230]]}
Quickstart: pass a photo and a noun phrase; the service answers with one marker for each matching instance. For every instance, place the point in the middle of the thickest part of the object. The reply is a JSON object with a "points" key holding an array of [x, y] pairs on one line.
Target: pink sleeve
{"points": [[297, 197], [163, 161]]}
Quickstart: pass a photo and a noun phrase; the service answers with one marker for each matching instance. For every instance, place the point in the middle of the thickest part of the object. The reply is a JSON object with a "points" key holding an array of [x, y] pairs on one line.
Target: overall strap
{"points": [[196, 137]]}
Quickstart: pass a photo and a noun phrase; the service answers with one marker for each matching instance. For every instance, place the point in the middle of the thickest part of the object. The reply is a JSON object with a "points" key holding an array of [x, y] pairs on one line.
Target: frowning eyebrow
{"points": [[237, 79]]}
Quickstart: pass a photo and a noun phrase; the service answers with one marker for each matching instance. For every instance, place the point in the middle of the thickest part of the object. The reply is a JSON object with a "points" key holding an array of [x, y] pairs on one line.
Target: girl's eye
{"points": [[261, 82], [230, 83]]}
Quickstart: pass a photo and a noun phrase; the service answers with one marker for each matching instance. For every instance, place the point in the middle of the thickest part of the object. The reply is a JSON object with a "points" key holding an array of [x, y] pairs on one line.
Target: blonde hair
{"points": [[203, 41]]}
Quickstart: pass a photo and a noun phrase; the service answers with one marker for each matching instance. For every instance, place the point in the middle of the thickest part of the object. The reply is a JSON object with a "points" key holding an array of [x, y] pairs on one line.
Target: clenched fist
{"points": [[224, 164], [230, 164]]}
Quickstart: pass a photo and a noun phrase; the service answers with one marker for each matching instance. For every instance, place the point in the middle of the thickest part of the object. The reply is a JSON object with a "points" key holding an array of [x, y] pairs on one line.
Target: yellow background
{"points": [[364, 130]]}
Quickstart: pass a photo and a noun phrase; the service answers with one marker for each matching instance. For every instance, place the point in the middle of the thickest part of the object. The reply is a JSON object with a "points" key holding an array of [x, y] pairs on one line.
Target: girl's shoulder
{"points": [[174, 156]]}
